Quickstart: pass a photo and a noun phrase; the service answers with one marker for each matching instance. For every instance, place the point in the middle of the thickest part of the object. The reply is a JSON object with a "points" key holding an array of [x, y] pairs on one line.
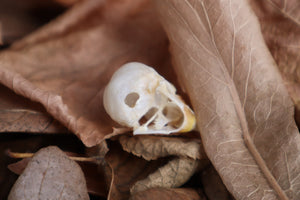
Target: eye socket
{"points": [[174, 114], [131, 99]]}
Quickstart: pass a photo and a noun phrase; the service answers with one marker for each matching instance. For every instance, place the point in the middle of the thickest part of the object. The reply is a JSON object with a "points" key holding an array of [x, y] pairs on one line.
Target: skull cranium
{"points": [[138, 97]]}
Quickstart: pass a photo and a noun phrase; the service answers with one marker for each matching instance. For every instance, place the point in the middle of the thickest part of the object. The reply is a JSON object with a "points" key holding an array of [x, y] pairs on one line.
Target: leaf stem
{"points": [[75, 158]]}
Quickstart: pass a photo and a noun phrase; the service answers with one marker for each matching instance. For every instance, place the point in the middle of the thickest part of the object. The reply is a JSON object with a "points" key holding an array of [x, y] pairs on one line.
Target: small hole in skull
{"points": [[131, 99], [174, 114], [144, 119]]}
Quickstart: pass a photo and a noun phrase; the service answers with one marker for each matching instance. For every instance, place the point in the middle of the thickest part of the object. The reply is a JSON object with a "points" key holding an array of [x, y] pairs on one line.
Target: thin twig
{"points": [[95, 159]]}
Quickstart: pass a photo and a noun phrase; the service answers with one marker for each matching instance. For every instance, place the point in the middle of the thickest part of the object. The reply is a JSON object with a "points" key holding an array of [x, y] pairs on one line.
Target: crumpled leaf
{"points": [[168, 194], [280, 24], [65, 65], [154, 147], [174, 174], [50, 175], [18, 114], [124, 170], [182, 161], [243, 111]]}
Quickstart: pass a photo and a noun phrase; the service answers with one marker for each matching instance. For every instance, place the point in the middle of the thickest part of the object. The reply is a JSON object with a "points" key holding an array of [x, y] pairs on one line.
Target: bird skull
{"points": [[138, 97]]}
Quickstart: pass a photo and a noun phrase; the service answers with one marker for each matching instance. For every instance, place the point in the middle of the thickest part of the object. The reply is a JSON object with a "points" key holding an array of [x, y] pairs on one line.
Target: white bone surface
{"points": [[138, 97]]}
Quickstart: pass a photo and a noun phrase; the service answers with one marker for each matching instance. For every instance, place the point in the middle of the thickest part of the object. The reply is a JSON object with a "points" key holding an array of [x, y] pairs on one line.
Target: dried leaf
{"points": [[168, 194], [20, 166], [18, 114], [154, 147], [124, 170], [50, 175], [174, 174], [67, 2], [213, 185], [244, 113], [95, 179], [65, 65], [19, 18], [1, 39], [94, 176], [280, 23]]}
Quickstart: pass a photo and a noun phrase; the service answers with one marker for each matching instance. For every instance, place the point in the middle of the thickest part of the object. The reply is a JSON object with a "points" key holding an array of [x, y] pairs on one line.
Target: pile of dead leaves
{"points": [[236, 61]]}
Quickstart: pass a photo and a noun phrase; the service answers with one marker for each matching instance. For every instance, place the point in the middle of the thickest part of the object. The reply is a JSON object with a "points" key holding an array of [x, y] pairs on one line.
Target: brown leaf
{"points": [[66, 64], [244, 113], [50, 175], [20, 166], [19, 18], [168, 194], [18, 114], [68, 2], [124, 170], [154, 147], [136, 174], [95, 179], [280, 23], [1, 39], [213, 185]]}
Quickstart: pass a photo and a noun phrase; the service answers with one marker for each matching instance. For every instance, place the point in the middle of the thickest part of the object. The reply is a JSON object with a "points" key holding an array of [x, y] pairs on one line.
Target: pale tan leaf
{"points": [[289, 8], [154, 147], [244, 113], [174, 174], [94, 177], [50, 175], [280, 23]]}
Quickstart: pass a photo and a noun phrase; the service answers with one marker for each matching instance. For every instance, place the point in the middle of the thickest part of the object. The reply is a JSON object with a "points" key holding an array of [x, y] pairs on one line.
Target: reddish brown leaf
{"points": [[168, 194], [20, 166], [18, 114], [20, 18], [1, 39], [244, 113], [68, 2], [50, 175], [66, 65]]}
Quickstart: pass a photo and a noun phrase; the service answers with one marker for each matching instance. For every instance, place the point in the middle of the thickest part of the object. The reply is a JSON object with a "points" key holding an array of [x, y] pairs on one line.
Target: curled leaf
{"points": [[124, 169], [154, 147], [174, 174]]}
